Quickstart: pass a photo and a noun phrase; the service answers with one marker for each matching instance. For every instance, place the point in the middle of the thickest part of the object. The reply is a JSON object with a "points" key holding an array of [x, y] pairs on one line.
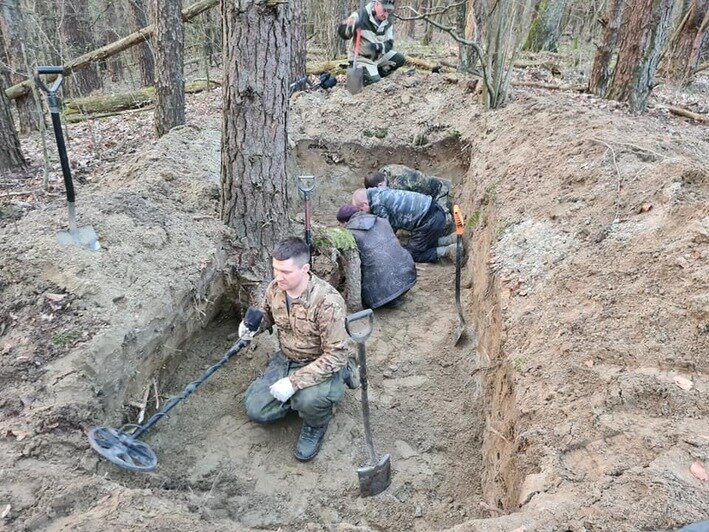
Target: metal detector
{"points": [[123, 448]]}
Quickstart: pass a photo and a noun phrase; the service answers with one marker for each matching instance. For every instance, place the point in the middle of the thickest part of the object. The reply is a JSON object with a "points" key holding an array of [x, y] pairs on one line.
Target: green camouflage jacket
{"points": [[312, 332]]}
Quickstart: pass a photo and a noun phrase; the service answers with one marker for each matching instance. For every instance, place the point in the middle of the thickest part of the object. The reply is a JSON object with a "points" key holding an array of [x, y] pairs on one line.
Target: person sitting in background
{"points": [[412, 212], [388, 270], [376, 55]]}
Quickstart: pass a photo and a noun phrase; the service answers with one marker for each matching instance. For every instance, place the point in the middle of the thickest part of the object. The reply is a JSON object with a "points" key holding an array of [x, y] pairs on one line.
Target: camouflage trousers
{"points": [[313, 404]]}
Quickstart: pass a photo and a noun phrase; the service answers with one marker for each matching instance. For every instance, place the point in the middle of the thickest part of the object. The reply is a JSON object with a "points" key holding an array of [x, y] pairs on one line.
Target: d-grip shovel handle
{"points": [[306, 183], [50, 70], [360, 336]]}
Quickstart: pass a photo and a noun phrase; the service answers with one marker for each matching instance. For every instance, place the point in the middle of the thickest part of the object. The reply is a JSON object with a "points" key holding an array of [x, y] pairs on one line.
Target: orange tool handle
{"points": [[458, 219]]}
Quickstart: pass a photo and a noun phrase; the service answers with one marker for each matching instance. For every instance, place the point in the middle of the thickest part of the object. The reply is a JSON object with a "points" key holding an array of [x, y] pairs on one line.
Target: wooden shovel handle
{"points": [[458, 219]]}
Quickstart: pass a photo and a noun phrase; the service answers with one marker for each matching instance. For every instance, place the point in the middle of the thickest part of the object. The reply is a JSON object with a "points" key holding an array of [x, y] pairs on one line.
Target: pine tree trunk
{"points": [[76, 36], [602, 63], [144, 51], [465, 53], [11, 158], [115, 63], [14, 33], [640, 42], [684, 50], [169, 63], [298, 45], [257, 70], [546, 26]]}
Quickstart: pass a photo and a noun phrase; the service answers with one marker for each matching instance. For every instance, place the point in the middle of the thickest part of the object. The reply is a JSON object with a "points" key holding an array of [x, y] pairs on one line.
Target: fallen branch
{"points": [[687, 114], [18, 193], [113, 48], [551, 86]]}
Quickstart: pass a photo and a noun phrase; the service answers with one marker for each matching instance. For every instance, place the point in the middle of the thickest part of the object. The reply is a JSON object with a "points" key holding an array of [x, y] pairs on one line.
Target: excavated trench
{"points": [[442, 412]]}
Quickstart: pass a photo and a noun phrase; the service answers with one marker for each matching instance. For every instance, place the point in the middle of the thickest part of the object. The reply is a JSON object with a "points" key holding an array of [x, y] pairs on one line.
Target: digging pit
{"points": [[427, 404]]}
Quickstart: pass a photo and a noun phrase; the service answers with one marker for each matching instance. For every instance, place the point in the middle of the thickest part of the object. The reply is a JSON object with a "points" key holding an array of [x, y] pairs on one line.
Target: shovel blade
{"points": [[83, 236], [374, 479], [460, 331], [355, 80]]}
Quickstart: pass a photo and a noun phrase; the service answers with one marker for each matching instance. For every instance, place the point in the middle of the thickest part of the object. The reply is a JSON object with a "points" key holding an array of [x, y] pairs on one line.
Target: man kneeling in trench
{"points": [[310, 371]]}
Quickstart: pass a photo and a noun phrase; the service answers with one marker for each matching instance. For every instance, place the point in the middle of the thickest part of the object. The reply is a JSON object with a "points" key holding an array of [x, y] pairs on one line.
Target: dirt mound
{"points": [[588, 236]]}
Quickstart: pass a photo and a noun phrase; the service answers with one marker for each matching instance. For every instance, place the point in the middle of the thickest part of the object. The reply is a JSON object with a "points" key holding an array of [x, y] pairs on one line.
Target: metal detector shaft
{"points": [[189, 389]]}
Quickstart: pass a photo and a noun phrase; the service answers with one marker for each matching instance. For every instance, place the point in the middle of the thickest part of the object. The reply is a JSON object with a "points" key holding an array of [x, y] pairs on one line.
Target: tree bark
{"points": [[169, 63], [77, 38], [14, 34], [298, 44], [115, 63], [144, 51], [257, 70], [602, 63], [11, 158], [684, 50], [546, 27], [640, 42]]}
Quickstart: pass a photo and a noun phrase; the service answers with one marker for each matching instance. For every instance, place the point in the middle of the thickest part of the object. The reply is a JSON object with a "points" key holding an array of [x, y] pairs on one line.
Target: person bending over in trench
{"points": [[402, 177], [309, 373], [388, 271], [413, 212]]}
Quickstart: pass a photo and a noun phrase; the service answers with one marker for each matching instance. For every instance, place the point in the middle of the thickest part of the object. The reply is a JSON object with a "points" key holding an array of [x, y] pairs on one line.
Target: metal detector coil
{"points": [[124, 449]]}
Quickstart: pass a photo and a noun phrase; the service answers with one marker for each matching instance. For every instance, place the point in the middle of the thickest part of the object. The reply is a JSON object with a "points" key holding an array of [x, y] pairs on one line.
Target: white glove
{"points": [[282, 389], [246, 334]]}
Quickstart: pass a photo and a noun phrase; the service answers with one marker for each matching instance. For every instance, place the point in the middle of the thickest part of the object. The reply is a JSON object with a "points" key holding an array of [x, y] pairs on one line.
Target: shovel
{"points": [[80, 236], [376, 477], [459, 229], [355, 76], [124, 449], [306, 184]]}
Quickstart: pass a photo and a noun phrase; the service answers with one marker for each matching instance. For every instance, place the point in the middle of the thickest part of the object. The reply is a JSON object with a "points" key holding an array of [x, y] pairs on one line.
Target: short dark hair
{"points": [[294, 248], [373, 179]]}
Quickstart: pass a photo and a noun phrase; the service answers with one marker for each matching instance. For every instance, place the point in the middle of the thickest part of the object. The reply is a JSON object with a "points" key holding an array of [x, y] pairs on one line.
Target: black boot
{"points": [[309, 442]]}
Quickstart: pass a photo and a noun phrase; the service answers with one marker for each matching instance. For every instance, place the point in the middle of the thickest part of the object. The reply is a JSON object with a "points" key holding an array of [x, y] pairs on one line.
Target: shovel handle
{"points": [[360, 336], [458, 219], [50, 70]]}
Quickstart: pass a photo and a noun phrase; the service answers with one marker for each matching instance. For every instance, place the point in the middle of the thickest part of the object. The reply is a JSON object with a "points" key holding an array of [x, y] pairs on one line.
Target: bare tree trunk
{"points": [[254, 193], [298, 45], [466, 53], [14, 33], [324, 18], [602, 63], [76, 36], [546, 26], [115, 63], [11, 158], [169, 60], [411, 24], [144, 51], [640, 43], [684, 50]]}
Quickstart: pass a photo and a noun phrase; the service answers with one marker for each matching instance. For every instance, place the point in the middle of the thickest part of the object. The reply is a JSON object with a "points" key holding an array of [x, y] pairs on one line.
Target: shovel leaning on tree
{"points": [[376, 477], [355, 75], [459, 230], [306, 184], [82, 236]]}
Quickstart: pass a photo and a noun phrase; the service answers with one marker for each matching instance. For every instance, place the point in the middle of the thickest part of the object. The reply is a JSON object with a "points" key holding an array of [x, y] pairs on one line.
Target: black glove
{"points": [[374, 48]]}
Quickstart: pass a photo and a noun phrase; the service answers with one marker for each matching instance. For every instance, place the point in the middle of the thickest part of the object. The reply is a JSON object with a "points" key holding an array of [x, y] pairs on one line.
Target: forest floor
{"points": [[578, 401]]}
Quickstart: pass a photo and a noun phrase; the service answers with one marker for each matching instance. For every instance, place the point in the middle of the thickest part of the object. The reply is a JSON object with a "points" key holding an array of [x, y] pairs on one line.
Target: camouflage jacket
{"points": [[402, 208], [312, 332], [404, 178]]}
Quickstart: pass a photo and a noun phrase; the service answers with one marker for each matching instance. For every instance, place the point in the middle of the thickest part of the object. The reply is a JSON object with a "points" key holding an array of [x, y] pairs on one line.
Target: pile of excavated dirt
{"points": [[582, 406]]}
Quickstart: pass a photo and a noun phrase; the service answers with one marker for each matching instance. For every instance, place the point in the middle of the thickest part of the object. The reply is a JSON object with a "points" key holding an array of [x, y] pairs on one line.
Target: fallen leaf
{"points": [[697, 469], [55, 297], [588, 363], [683, 383], [5, 512], [645, 207], [18, 434]]}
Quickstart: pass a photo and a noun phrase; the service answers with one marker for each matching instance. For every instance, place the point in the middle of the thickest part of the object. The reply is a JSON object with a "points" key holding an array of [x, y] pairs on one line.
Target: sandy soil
{"points": [[586, 288]]}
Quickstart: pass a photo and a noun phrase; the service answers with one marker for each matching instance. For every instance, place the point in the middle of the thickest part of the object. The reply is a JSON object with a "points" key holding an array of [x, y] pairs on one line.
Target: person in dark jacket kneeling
{"points": [[388, 270]]}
